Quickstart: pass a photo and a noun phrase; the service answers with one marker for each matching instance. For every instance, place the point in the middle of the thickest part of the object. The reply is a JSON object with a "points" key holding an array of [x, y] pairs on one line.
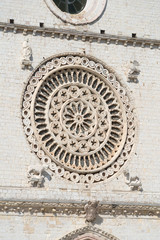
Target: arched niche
{"points": [[89, 236]]}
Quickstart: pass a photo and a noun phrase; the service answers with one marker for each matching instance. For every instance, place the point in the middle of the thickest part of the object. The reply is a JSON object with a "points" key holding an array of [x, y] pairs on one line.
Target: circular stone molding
{"points": [[77, 118], [92, 10]]}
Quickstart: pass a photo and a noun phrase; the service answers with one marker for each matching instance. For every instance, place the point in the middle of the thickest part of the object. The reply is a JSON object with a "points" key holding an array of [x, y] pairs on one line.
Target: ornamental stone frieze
{"points": [[78, 118], [78, 209]]}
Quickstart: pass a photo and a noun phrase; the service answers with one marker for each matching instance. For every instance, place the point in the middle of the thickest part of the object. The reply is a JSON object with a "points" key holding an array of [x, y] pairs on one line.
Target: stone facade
{"points": [[37, 202]]}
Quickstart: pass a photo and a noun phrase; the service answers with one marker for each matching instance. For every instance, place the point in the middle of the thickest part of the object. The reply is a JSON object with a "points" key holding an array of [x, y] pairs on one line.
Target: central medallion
{"points": [[78, 118]]}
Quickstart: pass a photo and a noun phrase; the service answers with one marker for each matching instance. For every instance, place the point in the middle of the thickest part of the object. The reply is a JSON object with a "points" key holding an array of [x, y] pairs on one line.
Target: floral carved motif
{"points": [[78, 119], [50, 208]]}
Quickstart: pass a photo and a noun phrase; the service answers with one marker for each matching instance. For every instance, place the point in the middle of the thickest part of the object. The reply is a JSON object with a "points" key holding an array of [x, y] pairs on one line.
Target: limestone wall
{"points": [[15, 149], [54, 228], [120, 18]]}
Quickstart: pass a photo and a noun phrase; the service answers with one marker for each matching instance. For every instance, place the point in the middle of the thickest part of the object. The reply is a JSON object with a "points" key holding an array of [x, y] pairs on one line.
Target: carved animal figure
{"points": [[133, 182], [133, 72], [35, 174]]}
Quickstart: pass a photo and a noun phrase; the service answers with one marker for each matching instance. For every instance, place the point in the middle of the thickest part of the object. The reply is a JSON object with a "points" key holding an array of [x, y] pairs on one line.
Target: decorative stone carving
{"points": [[133, 72], [78, 119], [133, 182], [77, 209], [35, 177], [26, 56], [91, 209], [89, 233]]}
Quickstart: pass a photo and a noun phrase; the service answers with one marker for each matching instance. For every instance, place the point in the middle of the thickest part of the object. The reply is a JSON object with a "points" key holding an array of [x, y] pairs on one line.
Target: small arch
{"points": [[89, 236], [89, 233]]}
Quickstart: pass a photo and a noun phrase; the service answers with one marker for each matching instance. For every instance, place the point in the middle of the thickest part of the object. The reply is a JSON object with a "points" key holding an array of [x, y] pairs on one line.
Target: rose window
{"points": [[78, 119], [77, 12], [70, 6]]}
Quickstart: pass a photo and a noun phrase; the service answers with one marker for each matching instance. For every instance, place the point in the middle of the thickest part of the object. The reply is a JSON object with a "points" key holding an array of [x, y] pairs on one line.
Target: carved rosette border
{"points": [[87, 62], [78, 209]]}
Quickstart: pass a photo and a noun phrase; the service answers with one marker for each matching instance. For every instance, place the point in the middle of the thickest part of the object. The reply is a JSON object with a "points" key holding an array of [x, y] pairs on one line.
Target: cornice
{"points": [[54, 208], [75, 35]]}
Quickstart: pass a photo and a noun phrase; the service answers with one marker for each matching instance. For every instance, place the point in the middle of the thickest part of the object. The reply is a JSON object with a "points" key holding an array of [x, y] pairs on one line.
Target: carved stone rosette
{"points": [[77, 118]]}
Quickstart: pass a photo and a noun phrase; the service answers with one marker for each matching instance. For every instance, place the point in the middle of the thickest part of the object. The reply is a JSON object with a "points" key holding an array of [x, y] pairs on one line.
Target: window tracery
{"points": [[77, 12], [70, 6], [78, 118]]}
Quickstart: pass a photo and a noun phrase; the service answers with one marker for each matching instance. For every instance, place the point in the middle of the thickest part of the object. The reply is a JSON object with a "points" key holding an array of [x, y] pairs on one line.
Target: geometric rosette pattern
{"points": [[78, 119]]}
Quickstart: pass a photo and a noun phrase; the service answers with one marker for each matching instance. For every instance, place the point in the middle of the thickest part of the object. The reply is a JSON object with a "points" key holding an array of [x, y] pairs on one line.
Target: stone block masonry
{"points": [[125, 214]]}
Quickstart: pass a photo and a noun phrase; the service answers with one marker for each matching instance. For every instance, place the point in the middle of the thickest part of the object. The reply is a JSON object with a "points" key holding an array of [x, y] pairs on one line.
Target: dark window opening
{"points": [[102, 31], [70, 6], [41, 24], [11, 21], [133, 35]]}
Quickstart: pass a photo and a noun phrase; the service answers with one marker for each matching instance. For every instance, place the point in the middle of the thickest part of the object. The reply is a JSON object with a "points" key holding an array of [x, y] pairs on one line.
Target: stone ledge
{"points": [[80, 36], [72, 208], [78, 195]]}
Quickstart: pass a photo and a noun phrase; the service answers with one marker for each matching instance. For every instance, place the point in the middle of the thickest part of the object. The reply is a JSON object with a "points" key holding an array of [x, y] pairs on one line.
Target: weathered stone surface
{"points": [[125, 214]]}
